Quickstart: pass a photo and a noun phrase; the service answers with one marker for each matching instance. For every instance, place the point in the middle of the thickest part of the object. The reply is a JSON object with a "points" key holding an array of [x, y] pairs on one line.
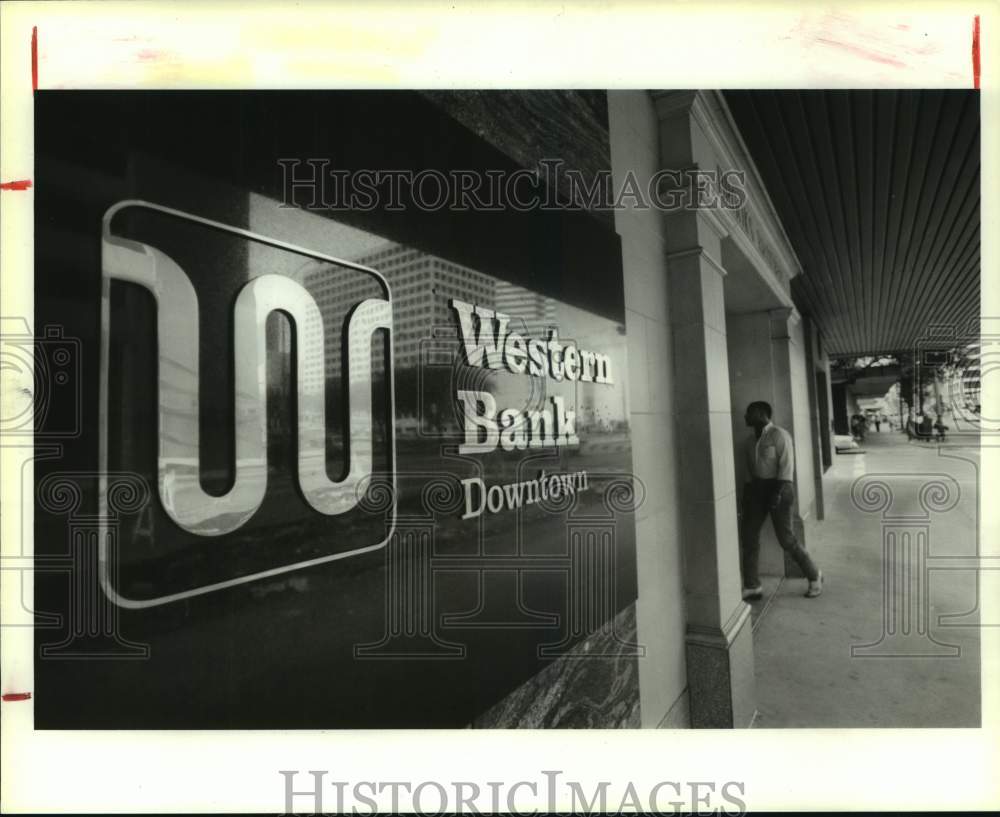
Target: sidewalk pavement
{"points": [[806, 674]]}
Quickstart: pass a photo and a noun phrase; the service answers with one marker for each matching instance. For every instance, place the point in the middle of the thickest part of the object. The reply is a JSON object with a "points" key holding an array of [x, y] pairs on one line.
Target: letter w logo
{"points": [[179, 455]]}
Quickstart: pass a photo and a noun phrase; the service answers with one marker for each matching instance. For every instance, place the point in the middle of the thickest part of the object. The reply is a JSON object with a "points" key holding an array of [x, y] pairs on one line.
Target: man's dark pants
{"points": [[757, 498]]}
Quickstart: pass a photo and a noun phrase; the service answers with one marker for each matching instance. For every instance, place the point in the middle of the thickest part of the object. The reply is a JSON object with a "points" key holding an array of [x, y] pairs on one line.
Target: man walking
{"points": [[770, 461]]}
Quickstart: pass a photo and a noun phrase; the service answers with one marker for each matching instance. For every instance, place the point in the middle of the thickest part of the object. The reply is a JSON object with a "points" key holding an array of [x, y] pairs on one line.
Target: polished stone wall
{"points": [[595, 686]]}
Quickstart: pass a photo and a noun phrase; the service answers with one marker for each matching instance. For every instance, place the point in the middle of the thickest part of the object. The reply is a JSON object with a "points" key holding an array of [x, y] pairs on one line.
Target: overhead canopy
{"points": [[879, 194]]}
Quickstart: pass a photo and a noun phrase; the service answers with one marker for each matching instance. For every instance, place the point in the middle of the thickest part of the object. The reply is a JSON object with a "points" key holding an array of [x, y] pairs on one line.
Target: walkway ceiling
{"points": [[879, 194]]}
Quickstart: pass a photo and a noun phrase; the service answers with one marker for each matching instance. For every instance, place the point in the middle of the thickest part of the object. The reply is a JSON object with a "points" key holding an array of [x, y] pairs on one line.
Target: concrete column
{"points": [[819, 433], [718, 635], [782, 321], [719, 647]]}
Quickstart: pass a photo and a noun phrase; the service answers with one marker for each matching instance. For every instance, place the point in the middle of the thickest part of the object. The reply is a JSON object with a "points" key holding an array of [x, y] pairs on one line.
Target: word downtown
{"points": [[498, 498], [487, 343]]}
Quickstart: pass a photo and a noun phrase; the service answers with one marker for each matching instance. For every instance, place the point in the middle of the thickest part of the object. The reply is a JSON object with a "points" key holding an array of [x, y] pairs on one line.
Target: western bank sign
{"points": [[486, 342]]}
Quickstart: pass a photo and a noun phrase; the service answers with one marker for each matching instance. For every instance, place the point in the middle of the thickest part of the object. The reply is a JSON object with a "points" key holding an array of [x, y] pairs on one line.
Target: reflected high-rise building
{"points": [[421, 286], [531, 313]]}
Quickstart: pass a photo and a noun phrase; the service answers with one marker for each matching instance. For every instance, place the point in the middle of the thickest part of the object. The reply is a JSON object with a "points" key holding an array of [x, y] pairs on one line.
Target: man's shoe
{"points": [[753, 593], [816, 587]]}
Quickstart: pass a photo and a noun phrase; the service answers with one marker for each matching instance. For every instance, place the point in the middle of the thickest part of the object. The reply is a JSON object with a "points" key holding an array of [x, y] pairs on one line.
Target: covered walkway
{"points": [[812, 666]]}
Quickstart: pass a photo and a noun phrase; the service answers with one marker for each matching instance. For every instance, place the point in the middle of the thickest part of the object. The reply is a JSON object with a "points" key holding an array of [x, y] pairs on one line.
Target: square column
{"points": [[791, 404], [719, 640]]}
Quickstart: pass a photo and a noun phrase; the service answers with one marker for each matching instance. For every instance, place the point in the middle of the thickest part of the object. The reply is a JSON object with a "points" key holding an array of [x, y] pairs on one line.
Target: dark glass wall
{"points": [[290, 617]]}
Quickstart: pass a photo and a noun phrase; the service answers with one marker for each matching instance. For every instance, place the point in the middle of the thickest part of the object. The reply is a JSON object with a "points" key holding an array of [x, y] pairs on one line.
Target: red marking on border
{"points": [[975, 52], [34, 58], [17, 696], [860, 51], [20, 184]]}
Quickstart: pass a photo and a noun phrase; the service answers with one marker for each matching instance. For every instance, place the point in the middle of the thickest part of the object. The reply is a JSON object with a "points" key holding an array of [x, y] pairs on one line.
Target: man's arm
{"points": [[786, 459]]}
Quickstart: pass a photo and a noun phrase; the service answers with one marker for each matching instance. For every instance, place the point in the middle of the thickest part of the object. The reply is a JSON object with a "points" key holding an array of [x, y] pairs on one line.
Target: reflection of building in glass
{"points": [[421, 286], [530, 312]]}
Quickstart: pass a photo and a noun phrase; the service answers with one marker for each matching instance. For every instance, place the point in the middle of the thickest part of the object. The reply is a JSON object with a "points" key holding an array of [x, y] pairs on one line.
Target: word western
{"points": [[517, 494], [486, 342], [512, 429]]}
